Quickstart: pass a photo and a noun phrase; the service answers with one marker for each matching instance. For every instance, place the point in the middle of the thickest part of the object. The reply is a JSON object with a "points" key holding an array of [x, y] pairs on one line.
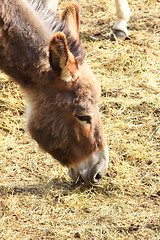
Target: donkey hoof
{"points": [[118, 34]]}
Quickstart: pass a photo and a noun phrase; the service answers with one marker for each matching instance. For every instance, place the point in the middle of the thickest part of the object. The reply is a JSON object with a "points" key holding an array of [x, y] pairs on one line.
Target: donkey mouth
{"points": [[78, 178], [93, 169]]}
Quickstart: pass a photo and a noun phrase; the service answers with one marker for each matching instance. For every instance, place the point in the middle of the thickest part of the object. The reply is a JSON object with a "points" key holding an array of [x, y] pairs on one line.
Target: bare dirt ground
{"points": [[37, 198]]}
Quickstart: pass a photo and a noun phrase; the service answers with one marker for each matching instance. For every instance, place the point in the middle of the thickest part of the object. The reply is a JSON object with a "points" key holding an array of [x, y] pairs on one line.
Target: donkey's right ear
{"points": [[70, 16]]}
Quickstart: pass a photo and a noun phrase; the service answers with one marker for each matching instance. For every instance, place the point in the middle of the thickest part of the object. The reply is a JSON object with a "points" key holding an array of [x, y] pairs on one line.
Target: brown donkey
{"points": [[43, 54]]}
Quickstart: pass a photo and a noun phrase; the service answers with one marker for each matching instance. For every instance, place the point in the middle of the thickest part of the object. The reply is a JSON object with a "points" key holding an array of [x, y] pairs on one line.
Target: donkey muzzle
{"points": [[92, 169]]}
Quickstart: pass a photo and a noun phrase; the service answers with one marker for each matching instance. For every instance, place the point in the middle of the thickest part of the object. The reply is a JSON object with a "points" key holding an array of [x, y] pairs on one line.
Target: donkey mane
{"points": [[56, 25]]}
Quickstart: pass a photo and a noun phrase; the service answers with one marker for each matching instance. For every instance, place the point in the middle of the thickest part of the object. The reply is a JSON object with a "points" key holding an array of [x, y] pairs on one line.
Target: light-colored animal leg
{"points": [[51, 4], [123, 15]]}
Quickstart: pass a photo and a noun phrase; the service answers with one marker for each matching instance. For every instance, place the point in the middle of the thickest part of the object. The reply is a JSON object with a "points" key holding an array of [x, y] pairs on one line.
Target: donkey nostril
{"points": [[98, 176]]}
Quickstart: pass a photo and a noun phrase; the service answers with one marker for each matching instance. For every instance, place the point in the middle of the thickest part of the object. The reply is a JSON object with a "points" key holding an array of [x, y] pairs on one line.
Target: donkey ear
{"points": [[70, 16], [61, 59]]}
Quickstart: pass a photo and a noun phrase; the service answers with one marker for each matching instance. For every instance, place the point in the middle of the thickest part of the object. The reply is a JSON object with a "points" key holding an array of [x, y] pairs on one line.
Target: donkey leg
{"points": [[123, 15], [51, 4]]}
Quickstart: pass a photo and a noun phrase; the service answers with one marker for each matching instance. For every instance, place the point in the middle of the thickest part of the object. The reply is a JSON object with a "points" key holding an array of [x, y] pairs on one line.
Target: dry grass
{"points": [[37, 199]]}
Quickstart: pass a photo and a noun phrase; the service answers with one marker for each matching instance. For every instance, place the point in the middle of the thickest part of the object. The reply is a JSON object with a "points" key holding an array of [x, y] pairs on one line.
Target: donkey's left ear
{"points": [[70, 16], [61, 59]]}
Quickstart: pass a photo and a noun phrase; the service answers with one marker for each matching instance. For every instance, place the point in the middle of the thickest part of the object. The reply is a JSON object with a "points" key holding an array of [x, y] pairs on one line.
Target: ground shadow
{"points": [[64, 187], [38, 189]]}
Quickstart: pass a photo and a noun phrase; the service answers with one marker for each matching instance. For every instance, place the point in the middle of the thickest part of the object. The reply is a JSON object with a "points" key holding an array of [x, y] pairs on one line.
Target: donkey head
{"points": [[65, 118]]}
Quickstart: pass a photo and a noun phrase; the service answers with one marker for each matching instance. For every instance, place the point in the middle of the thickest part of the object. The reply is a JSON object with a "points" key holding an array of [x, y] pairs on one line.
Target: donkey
{"points": [[122, 17], [44, 55]]}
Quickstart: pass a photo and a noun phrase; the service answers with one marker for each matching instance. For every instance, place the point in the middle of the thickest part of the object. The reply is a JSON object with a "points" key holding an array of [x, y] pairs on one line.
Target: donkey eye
{"points": [[86, 119]]}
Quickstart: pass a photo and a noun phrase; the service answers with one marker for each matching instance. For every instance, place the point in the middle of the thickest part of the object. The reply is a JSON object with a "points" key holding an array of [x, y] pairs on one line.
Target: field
{"points": [[37, 198]]}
